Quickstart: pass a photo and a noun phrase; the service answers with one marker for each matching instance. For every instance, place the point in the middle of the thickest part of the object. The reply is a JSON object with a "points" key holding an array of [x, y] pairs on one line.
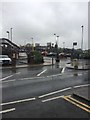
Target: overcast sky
{"points": [[41, 20]]}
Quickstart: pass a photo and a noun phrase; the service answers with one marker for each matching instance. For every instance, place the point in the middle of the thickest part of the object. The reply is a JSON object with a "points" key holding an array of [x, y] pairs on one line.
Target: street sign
{"points": [[75, 43]]}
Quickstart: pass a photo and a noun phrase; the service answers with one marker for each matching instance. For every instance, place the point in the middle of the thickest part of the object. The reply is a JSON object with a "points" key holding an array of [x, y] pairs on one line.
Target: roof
{"points": [[4, 40]]}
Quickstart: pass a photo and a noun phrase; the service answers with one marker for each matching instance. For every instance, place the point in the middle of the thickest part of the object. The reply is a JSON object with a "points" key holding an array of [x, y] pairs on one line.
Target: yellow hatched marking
{"points": [[79, 102], [66, 98]]}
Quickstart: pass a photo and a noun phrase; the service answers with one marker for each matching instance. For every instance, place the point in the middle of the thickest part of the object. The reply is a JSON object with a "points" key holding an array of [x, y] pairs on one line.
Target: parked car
{"points": [[44, 53], [62, 55], [68, 55], [5, 60], [51, 54]]}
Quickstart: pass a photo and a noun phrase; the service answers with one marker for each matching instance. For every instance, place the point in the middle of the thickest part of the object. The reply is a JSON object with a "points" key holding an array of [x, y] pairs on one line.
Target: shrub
{"points": [[38, 58]]}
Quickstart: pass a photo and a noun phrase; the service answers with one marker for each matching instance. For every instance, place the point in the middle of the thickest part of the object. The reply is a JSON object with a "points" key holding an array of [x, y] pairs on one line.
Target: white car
{"points": [[5, 60]]}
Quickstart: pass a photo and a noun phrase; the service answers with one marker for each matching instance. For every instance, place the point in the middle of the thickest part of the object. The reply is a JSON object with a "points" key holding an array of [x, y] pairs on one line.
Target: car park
{"points": [[5, 60]]}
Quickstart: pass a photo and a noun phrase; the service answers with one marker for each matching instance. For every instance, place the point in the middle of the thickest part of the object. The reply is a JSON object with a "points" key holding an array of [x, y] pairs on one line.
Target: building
{"points": [[9, 48]]}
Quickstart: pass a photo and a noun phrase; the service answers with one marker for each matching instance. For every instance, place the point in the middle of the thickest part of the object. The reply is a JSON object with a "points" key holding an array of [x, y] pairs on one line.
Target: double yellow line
{"points": [[77, 103]]}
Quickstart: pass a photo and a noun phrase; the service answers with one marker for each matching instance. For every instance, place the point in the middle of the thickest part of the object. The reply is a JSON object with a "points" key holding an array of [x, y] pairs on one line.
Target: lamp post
{"points": [[52, 53], [74, 44], [8, 34], [57, 57], [82, 46], [57, 41], [55, 37], [11, 33], [82, 38], [32, 44], [63, 45]]}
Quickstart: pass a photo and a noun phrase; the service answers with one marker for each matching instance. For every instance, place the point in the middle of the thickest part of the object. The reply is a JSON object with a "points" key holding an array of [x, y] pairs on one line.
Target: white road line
{"points": [[54, 75], [8, 81], [9, 76], [6, 77], [31, 78], [63, 70], [18, 101], [18, 73], [40, 77], [62, 90], [81, 86], [8, 110], [53, 98], [42, 72], [54, 92], [80, 74]]}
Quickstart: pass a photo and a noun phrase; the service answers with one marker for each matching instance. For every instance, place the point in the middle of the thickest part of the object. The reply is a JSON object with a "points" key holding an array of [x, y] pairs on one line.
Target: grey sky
{"points": [[41, 20]]}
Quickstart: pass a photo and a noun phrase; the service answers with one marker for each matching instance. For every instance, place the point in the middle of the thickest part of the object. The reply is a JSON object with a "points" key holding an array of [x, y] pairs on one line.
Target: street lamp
{"points": [[82, 38], [57, 43], [63, 45], [55, 37], [82, 46], [57, 57], [52, 53], [32, 44], [7, 34], [11, 33]]}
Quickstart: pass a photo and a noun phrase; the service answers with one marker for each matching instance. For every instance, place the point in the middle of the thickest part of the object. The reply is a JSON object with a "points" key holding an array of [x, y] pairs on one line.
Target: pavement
{"points": [[80, 67], [25, 65], [83, 93], [69, 66]]}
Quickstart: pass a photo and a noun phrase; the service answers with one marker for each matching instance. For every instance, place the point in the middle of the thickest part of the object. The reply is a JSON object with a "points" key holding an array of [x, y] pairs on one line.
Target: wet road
{"points": [[23, 91]]}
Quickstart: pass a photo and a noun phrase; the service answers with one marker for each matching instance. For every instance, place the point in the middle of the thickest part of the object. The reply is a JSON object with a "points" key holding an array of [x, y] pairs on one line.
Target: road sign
{"points": [[75, 43]]}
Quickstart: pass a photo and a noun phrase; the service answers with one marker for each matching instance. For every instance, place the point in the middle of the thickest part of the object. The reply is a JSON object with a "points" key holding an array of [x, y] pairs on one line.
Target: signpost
{"points": [[75, 61], [74, 44]]}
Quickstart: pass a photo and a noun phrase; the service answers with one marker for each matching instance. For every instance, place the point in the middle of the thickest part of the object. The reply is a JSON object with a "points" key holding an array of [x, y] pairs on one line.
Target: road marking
{"points": [[18, 101], [54, 92], [8, 81], [66, 98], [31, 78], [53, 98], [63, 70], [42, 72], [9, 76], [80, 74], [78, 102], [54, 75], [8, 110], [81, 86], [18, 73], [6, 77]]}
